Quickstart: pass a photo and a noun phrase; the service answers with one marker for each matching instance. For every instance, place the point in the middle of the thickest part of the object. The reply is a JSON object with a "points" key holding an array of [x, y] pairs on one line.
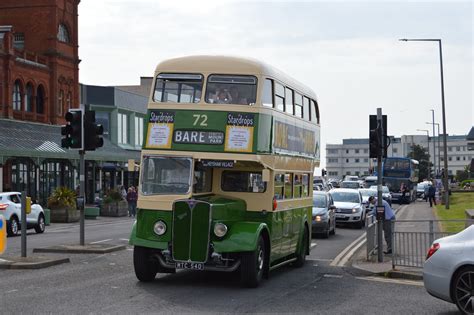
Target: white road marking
{"points": [[314, 244], [391, 280], [332, 276], [124, 239], [11, 291], [318, 259], [97, 242]]}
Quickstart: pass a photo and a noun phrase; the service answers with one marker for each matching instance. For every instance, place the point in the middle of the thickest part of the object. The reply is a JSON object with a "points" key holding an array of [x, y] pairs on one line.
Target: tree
{"points": [[462, 175], [421, 155]]}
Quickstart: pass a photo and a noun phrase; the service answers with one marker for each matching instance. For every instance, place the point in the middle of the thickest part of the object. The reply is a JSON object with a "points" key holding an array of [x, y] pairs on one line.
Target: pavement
{"points": [[419, 210], [35, 262]]}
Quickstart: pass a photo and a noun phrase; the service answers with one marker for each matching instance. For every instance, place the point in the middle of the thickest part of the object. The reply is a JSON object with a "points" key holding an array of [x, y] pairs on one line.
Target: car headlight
{"points": [[220, 229], [354, 210], [159, 228], [317, 218]]}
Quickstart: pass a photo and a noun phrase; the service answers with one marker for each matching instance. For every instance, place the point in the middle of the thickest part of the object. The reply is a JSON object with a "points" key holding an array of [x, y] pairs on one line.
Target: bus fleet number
{"points": [[200, 120]]}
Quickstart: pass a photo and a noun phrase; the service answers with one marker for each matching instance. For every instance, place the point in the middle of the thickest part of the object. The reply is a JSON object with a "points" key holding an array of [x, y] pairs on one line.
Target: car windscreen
{"points": [[350, 185], [338, 196], [319, 201], [368, 192], [166, 175]]}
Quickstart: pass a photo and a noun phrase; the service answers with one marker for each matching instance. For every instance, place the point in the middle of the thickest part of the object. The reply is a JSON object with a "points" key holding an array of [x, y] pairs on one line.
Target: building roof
{"points": [[113, 97], [28, 139], [470, 135]]}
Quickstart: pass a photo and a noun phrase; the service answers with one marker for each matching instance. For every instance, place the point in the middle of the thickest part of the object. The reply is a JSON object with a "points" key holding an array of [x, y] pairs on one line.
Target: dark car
{"points": [[324, 221]]}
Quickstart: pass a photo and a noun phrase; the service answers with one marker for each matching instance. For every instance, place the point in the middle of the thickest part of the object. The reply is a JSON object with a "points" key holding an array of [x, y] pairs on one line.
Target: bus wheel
{"points": [[301, 256], [145, 269], [253, 265]]}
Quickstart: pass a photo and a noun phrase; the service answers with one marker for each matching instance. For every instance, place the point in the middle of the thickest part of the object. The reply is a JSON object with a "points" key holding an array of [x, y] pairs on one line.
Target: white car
{"points": [[10, 208], [349, 206], [448, 272]]}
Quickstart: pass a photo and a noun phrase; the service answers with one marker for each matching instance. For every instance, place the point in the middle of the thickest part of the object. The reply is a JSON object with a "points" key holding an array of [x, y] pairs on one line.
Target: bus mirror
{"points": [[266, 175]]}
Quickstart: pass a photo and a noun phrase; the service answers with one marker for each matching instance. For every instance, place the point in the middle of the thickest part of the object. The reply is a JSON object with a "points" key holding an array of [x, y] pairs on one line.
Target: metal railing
{"points": [[411, 239]]}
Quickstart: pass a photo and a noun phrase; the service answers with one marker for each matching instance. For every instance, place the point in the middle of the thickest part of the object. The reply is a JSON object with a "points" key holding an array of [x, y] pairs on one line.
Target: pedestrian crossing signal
{"points": [[3, 234]]}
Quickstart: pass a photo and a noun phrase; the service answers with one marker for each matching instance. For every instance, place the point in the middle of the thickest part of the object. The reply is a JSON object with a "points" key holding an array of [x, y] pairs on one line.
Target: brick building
{"points": [[39, 59]]}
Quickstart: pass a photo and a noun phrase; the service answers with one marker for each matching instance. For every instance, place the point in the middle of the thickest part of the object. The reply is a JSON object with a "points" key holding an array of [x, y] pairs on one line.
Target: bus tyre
{"points": [[301, 256], [145, 268], [253, 265]]}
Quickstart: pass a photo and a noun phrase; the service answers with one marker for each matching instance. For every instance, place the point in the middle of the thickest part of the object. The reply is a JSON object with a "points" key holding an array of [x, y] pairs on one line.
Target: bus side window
{"points": [[298, 188], [267, 94], [279, 186], [306, 109], [305, 183], [298, 105], [288, 186], [314, 112], [279, 97], [289, 106]]}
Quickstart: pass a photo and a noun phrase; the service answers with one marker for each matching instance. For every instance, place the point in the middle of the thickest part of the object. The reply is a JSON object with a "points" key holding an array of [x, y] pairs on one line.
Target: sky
{"points": [[346, 51]]}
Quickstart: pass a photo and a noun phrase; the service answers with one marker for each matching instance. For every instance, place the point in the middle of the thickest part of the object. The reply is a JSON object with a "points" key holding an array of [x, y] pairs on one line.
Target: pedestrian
{"points": [[132, 201], [432, 194], [387, 222], [403, 190]]}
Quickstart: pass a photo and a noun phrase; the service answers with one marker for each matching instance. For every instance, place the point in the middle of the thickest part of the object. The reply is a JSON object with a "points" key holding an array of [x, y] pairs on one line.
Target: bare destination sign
{"points": [[198, 137]]}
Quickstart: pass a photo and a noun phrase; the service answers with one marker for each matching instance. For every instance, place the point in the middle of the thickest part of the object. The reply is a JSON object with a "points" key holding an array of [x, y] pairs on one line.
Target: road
{"points": [[107, 284]]}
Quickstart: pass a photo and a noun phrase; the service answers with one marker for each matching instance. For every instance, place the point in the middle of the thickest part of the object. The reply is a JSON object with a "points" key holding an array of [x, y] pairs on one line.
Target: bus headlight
{"points": [[159, 228], [220, 229]]}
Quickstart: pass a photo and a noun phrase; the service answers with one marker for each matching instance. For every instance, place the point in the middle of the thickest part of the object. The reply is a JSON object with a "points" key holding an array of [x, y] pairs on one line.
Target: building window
{"points": [[16, 95], [332, 173], [357, 173], [60, 102], [138, 131], [366, 172], [348, 173], [366, 150], [63, 34], [69, 100], [347, 160], [19, 41], [458, 158], [464, 158], [450, 149], [450, 158], [366, 160], [40, 99], [356, 150], [395, 150], [29, 98], [267, 96], [332, 160], [347, 151], [458, 149], [122, 129], [357, 160], [332, 151]]}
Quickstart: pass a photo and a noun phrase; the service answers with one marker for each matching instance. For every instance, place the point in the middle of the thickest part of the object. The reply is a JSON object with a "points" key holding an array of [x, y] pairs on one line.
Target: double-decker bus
{"points": [[397, 170], [226, 171]]}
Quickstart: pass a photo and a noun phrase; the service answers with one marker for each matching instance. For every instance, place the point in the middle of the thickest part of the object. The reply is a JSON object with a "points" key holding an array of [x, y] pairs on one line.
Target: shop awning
{"points": [[29, 139]]}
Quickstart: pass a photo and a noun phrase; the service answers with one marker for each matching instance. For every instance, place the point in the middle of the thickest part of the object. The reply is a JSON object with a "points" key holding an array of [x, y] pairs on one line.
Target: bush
{"points": [[62, 197], [113, 195], [470, 181]]}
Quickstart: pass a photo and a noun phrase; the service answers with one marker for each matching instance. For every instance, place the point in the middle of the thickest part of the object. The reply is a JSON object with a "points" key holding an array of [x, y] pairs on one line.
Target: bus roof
{"points": [[230, 65]]}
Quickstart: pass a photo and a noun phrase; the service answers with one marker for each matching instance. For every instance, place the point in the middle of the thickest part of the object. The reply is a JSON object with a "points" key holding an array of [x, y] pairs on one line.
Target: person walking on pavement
{"points": [[132, 201], [387, 223], [432, 194]]}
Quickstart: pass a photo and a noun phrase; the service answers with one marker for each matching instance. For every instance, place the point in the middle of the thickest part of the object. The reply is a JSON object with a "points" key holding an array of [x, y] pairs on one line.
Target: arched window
{"points": [[68, 100], [16, 99], [40, 99], [29, 97], [63, 34], [60, 103]]}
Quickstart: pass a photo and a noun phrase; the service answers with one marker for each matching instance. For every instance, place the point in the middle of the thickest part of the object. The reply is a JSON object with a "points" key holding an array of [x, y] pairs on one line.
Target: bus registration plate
{"points": [[190, 265]]}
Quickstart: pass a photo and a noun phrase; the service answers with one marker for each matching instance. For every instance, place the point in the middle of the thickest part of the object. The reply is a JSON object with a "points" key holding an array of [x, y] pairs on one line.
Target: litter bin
{"points": [[47, 216]]}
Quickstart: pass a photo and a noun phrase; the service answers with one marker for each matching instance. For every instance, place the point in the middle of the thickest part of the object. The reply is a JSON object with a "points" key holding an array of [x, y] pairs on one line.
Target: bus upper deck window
{"points": [[231, 89], [178, 88]]}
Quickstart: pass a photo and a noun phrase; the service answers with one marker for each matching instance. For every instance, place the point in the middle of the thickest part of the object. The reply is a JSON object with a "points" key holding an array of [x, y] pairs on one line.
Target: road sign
{"points": [[28, 205]]}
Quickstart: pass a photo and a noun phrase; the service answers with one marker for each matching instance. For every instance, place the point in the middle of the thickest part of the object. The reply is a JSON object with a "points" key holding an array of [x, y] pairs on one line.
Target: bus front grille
{"points": [[191, 228]]}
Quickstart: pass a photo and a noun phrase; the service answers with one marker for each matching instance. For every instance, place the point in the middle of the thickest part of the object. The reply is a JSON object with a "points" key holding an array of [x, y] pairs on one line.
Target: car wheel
{"points": [[41, 226], [462, 288], [301, 256], [361, 223], [145, 268], [13, 227], [253, 265]]}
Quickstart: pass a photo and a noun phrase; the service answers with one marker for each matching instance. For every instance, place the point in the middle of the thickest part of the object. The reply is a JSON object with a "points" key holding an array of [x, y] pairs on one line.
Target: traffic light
{"points": [[73, 131], [92, 132], [376, 145]]}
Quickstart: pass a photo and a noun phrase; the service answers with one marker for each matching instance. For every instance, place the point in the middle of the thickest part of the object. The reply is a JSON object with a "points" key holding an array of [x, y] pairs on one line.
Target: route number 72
{"points": [[200, 120]]}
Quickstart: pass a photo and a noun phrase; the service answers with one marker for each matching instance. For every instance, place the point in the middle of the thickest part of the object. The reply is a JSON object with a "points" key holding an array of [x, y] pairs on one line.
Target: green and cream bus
{"points": [[226, 171]]}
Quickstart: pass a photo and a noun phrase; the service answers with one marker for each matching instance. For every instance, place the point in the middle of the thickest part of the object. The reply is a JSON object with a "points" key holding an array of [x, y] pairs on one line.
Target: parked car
{"points": [[10, 208], [370, 181], [351, 178], [386, 195], [351, 184], [448, 272], [324, 220], [349, 206]]}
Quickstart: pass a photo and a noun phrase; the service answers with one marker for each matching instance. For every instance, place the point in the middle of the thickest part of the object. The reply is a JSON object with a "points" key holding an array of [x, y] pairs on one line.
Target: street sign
{"points": [[28, 205]]}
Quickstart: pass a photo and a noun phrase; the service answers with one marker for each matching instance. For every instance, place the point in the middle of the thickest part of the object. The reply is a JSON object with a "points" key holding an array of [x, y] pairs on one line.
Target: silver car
{"points": [[448, 272], [349, 206]]}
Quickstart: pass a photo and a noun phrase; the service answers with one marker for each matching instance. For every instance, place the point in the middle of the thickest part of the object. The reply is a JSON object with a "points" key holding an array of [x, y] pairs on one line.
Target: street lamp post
{"points": [[434, 143], [439, 146], [428, 138], [445, 144]]}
